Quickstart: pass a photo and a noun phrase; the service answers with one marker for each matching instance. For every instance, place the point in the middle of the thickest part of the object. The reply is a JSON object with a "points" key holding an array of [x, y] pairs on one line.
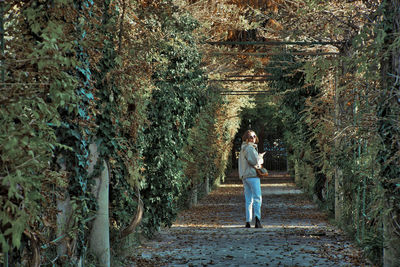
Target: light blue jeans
{"points": [[252, 196]]}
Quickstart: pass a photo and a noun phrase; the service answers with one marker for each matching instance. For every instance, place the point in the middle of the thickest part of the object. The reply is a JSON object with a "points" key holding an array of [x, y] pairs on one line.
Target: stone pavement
{"points": [[212, 233]]}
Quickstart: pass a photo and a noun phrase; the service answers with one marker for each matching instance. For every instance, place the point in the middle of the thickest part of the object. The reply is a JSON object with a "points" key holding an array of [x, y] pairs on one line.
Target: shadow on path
{"points": [[212, 233]]}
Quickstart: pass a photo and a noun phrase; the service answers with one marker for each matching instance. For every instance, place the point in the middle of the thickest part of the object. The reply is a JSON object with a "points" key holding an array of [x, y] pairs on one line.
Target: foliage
{"points": [[199, 150], [388, 127], [264, 119], [174, 104], [121, 95], [131, 77], [342, 137], [301, 134], [36, 85], [113, 134]]}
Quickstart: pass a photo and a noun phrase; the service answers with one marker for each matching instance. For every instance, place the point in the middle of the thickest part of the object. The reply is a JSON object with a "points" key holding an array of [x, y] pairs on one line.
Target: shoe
{"points": [[247, 225], [258, 223]]}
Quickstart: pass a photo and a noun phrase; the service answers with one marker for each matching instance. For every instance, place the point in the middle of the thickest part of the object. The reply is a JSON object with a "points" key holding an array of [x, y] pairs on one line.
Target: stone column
{"points": [[100, 233]]}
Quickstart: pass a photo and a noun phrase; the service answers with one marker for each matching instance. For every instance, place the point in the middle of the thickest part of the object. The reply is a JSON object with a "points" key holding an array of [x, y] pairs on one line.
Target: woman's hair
{"points": [[247, 135]]}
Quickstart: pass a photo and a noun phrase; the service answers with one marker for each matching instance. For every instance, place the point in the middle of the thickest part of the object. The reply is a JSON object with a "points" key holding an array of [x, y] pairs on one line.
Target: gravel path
{"points": [[212, 233]]}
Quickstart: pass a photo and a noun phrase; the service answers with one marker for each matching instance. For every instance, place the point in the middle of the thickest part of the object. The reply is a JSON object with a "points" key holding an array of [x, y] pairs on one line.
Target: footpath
{"points": [[212, 233]]}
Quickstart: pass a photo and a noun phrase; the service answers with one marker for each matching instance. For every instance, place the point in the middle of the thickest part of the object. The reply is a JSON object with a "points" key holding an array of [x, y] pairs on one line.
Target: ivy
{"points": [[37, 88], [114, 143], [291, 82], [174, 104], [348, 132]]}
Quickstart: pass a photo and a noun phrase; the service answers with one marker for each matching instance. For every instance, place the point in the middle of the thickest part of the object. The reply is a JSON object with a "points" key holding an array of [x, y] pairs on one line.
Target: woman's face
{"points": [[252, 137]]}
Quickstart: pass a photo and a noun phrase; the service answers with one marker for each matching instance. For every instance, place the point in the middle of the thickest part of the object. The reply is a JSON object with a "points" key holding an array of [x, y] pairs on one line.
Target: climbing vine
{"points": [[344, 121], [177, 98], [131, 77], [36, 85]]}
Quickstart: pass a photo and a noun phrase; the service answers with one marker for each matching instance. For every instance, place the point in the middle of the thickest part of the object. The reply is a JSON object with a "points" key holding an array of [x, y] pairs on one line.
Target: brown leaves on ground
{"points": [[212, 232]]}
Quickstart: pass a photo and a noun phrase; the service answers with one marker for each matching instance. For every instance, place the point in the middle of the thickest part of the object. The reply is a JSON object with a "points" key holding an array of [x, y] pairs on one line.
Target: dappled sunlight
{"points": [[268, 189], [216, 204], [279, 184], [282, 191], [213, 232], [230, 185], [272, 227], [262, 185]]}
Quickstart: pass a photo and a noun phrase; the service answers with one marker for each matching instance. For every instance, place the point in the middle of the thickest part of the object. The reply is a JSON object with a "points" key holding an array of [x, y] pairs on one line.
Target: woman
{"points": [[248, 161]]}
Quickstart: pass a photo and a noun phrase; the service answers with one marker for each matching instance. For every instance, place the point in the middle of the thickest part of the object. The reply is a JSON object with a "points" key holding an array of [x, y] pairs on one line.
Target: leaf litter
{"points": [[212, 233]]}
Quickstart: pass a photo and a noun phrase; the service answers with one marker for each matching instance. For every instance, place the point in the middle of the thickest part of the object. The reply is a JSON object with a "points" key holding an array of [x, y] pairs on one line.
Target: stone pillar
{"points": [[193, 197], [207, 185], [65, 209], [391, 246], [100, 234], [338, 172], [338, 194], [296, 171]]}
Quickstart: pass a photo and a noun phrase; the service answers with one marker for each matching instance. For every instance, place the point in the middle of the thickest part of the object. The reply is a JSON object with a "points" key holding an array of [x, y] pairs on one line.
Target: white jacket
{"points": [[248, 159]]}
